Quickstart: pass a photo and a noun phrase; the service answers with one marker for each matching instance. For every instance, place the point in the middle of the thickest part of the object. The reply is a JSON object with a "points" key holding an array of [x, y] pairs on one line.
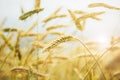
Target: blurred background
{"points": [[21, 49], [94, 30]]}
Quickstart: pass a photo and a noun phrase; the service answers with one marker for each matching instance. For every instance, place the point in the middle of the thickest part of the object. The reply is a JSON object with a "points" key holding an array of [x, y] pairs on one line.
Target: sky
{"points": [[94, 30]]}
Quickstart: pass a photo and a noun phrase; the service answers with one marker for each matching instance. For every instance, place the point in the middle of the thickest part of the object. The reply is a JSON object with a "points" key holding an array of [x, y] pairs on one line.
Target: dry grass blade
{"points": [[80, 12], [60, 57], [30, 13], [72, 15], [6, 62], [28, 34], [91, 15], [96, 63], [7, 41], [41, 36], [84, 56], [80, 22], [83, 22], [39, 62], [54, 17], [37, 4], [37, 44], [56, 42], [56, 33], [96, 60], [22, 69], [105, 52], [4, 44], [5, 59], [17, 47], [60, 16], [79, 25], [39, 74], [75, 20], [29, 54], [78, 73], [19, 69], [92, 5], [56, 11], [54, 27], [9, 29]]}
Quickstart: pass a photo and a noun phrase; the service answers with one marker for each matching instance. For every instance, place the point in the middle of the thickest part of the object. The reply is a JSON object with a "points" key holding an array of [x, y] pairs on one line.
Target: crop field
{"points": [[54, 47]]}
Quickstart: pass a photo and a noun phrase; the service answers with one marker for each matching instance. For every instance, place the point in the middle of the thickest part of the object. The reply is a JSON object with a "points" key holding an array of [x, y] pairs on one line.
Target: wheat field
{"points": [[53, 54]]}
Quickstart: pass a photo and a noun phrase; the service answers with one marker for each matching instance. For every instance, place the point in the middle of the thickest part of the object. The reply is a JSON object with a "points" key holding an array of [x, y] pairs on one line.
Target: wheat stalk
{"points": [[54, 17], [9, 29], [7, 41], [30, 13], [17, 47], [75, 20], [19, 69], [2, 46], [91, 15], [37, 4], [55, 26], [60, 57], [37, 44], [80, 12], [23, 69], [56, 42], [56, 33], [92, 5], [28, 35]]}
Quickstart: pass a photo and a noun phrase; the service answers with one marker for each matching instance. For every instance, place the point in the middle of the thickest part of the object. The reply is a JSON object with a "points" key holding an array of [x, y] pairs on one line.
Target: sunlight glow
{"points": [[104, 41]]}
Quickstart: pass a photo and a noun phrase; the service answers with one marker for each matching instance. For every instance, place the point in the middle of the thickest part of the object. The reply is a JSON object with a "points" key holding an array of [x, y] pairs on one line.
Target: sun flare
{"points": [[104, 41]]}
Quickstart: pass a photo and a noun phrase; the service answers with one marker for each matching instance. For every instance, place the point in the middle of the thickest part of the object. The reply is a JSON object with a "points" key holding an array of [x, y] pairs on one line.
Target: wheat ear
{"points": [[92, 5], [56, 42]]}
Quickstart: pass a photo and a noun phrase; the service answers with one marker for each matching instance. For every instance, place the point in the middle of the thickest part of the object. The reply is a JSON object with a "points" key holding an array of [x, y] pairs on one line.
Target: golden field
{"points": [[52, 54]]}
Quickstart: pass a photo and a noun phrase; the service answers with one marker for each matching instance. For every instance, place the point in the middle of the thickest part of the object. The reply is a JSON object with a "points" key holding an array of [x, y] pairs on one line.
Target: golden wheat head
{"points": [[56, 42]]}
